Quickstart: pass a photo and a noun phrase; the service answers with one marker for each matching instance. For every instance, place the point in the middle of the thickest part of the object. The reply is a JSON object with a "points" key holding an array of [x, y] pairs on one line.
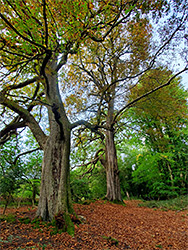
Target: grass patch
{"points": [[86, 201], [10, 218], [25, 220], [111, 240], [179, 203], [117, 202]]}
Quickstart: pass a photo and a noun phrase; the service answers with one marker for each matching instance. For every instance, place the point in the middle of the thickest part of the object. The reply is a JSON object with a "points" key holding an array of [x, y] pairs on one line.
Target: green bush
{"points": [[179, 203]]}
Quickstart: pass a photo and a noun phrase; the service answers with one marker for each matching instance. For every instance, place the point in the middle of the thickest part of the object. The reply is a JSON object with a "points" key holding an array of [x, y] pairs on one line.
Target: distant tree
{"points": [[102, 69], [104, 78], [31, 158], [10, 171], [162, 121]]}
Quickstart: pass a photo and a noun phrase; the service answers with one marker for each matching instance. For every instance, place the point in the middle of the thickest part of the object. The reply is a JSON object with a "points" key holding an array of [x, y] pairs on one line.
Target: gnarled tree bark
{"points": [[55, 193]]}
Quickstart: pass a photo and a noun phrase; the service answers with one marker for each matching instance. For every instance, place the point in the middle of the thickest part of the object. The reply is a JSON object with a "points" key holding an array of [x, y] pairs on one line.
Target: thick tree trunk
{"points": [[112, 172], [55, 186], [55, 195]]}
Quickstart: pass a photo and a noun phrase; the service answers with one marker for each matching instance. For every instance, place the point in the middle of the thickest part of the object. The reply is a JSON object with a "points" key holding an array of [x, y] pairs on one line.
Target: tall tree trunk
{"points": [[111, 165], [55, 195], [112, 172]]}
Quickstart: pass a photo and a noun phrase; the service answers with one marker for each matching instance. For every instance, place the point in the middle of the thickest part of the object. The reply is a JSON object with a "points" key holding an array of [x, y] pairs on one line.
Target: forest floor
{"points": [[107, 226]]}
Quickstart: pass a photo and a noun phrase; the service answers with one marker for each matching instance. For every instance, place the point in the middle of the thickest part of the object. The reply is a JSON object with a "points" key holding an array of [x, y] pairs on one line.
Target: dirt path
{"points": [[108, 226]]}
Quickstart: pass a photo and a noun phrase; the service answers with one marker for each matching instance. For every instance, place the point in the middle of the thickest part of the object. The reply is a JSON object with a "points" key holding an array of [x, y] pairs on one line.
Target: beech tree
{"points": [[99, 73], [33, 53], [36, 39], [107, 76]]}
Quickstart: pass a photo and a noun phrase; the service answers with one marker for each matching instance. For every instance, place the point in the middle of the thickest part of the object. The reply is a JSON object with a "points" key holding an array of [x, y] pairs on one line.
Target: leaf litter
{"points": [[107, 226]]}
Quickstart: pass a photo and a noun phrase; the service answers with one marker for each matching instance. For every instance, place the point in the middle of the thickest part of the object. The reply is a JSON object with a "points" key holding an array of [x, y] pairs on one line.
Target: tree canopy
{"points": [[37, 40]]}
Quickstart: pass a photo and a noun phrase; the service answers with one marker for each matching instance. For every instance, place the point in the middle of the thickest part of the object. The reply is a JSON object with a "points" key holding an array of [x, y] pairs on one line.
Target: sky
{"points": [[185, 79]]}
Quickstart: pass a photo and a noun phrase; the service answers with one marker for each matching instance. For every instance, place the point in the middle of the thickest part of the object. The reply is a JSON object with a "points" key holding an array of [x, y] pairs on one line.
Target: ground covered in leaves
{"points": [[107, 226]]}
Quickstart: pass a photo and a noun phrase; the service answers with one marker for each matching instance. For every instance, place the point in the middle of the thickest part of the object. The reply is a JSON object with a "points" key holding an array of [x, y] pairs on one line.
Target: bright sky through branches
{"points": [[185, 80]]}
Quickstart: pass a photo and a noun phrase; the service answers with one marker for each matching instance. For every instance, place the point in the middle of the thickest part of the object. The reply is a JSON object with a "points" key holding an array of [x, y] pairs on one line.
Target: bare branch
{"points": [[115, 22], [93, 162], [11, 129], [25, 153], [152, 62], [93, 128], [22, 84], [27, 117]]}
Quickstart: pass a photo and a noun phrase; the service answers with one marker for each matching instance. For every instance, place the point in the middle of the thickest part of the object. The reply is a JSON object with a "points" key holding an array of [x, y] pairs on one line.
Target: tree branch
{"points": [[93, 162], [65, 52], [152, 62], [93, 128], [27, 117], [10, 129], [45, 22], [19, 34], [148, 93], [22, 84], [42, 70], [62, 61], [25, 153]]}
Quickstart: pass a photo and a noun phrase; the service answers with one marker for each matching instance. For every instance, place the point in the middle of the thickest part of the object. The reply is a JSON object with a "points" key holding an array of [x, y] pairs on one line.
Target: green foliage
{"points": [[159, 135], [79, 187], [37, 222], [10, 239], [19, 172], [28, 190], [10, 172], [159, 246], [153, 179], [25, 220], [98, 183], [87, 181], [55, 231], [69, 226], [146, 173], [111, 240], [179, 203], [89, 186], [127, 152], [10, 218], [10, 181]]}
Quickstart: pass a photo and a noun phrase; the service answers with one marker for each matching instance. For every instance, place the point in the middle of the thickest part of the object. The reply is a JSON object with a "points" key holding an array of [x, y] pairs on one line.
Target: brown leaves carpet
{"points": [[108, 226]]}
